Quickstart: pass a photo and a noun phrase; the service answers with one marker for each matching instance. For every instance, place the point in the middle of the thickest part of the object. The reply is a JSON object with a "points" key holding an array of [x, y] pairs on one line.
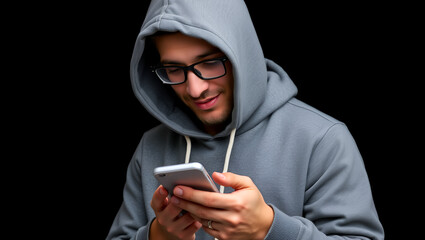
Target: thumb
{"points": [[232, 180]]}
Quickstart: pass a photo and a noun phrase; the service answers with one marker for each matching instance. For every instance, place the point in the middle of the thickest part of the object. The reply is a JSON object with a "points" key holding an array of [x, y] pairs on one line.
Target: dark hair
{"points": [[151, 52]]}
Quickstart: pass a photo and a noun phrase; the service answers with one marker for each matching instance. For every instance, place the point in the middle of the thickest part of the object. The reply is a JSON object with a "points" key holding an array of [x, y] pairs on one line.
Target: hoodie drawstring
{"points": [[228, 152], [188, 149]]}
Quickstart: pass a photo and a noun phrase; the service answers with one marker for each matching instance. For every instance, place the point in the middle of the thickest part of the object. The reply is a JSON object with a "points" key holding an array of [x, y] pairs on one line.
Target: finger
{"points": [[213, 233], [232, 180], [172, 211], [183, 223], [198, 219], [200, 212], [215, 226], [203, 198], [190, 230], [159, 199], [213, 230], [183, 227]]}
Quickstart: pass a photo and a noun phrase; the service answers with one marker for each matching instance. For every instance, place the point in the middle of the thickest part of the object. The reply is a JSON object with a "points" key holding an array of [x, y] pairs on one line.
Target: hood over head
{"points": [[260, 85]]}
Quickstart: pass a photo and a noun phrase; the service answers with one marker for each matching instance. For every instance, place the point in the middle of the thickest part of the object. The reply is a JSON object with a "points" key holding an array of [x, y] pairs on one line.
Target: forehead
{"points": [[177, 46]]}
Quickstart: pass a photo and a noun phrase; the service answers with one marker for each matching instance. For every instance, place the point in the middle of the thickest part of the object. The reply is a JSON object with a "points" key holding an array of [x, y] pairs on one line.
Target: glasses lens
{"points": [[211, 69], [171, 74]]}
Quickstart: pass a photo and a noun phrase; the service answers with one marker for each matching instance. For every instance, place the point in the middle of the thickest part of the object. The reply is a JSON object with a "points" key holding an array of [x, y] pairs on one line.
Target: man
{"points": [[286, 170]]}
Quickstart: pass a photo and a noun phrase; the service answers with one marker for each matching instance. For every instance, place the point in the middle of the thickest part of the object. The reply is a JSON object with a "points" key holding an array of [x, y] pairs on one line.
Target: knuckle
{"points": [[248, 180], [223, 236], [239, 205], [160, 221], [234, 221], [169, 229]]}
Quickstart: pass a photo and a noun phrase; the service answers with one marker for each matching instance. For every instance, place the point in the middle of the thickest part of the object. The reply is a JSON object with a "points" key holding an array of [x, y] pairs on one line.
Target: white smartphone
{"points": [[188, 174]]}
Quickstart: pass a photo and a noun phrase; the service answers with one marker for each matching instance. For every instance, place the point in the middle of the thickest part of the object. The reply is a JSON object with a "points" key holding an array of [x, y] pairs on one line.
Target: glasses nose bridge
{"points": [[194, 70], [195, 83]]}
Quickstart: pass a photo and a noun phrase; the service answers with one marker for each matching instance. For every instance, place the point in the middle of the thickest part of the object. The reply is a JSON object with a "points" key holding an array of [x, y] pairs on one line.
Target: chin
{"points": [[214, 119]]}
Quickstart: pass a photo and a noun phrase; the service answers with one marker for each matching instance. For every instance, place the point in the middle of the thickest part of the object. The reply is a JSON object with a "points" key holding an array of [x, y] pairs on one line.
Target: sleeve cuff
{"points": [[283, 227], [143, 232]]}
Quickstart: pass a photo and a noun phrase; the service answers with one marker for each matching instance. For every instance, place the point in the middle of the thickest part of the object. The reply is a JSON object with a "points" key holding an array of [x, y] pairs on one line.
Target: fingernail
{"points": [[178, 191], [161, 191], [220, 175]]}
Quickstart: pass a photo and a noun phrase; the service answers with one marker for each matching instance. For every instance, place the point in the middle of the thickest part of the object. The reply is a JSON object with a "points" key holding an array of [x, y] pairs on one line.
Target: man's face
{"points": [[211, 100]]}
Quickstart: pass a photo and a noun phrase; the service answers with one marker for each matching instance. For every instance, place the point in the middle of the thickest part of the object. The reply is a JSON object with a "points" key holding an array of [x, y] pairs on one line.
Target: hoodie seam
{"points": [[323, 136], [334, 121], [163, 12], [313, 152], [333, 124]]}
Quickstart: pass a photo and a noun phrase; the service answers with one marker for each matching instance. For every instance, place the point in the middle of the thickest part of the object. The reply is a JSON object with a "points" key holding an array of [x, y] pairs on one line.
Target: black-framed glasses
{"points": [[205, 69]]}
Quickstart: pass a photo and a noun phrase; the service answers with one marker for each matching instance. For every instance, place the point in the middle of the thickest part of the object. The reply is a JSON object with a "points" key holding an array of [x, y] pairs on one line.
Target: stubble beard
{"points": [[217, 121]]}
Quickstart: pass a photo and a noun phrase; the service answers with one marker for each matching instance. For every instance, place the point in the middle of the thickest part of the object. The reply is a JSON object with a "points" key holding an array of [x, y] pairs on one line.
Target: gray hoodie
{"points": [[305, 163]]}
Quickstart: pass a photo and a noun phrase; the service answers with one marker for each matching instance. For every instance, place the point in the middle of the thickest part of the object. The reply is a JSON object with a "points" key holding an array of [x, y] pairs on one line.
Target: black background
{"points": [[79, 121]]}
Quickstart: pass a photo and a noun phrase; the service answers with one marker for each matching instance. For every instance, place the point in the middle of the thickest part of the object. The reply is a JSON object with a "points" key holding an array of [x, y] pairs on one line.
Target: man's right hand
{"points": [[168, 223]]}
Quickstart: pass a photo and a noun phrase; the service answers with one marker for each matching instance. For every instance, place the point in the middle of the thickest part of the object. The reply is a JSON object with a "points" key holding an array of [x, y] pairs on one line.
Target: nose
{"points": [[195, 86]]}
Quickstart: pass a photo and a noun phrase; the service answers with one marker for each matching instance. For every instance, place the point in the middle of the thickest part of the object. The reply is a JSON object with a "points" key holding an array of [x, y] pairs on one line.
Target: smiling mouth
{"points": [[207, 103]]}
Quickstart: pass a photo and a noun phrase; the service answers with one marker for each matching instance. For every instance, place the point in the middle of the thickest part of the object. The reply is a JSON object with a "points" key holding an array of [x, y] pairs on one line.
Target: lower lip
{"points": [[207, 105]]}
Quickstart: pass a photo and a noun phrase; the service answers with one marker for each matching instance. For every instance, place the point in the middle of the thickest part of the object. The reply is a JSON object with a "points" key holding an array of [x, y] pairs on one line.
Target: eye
{"points": [[210, 64], [174, 70]]}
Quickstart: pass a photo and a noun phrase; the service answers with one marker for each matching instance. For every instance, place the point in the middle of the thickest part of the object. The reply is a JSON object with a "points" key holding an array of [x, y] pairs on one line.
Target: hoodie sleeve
{"points": [[132, 213], [338, 199]]}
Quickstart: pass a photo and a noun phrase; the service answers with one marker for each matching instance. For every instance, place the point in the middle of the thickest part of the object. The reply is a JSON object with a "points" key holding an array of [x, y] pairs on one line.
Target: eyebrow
{"points": [[195, 59]]}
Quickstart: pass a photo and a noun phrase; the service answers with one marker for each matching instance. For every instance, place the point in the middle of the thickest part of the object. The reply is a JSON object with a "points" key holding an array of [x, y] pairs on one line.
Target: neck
{"points": [[214, 129]]}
